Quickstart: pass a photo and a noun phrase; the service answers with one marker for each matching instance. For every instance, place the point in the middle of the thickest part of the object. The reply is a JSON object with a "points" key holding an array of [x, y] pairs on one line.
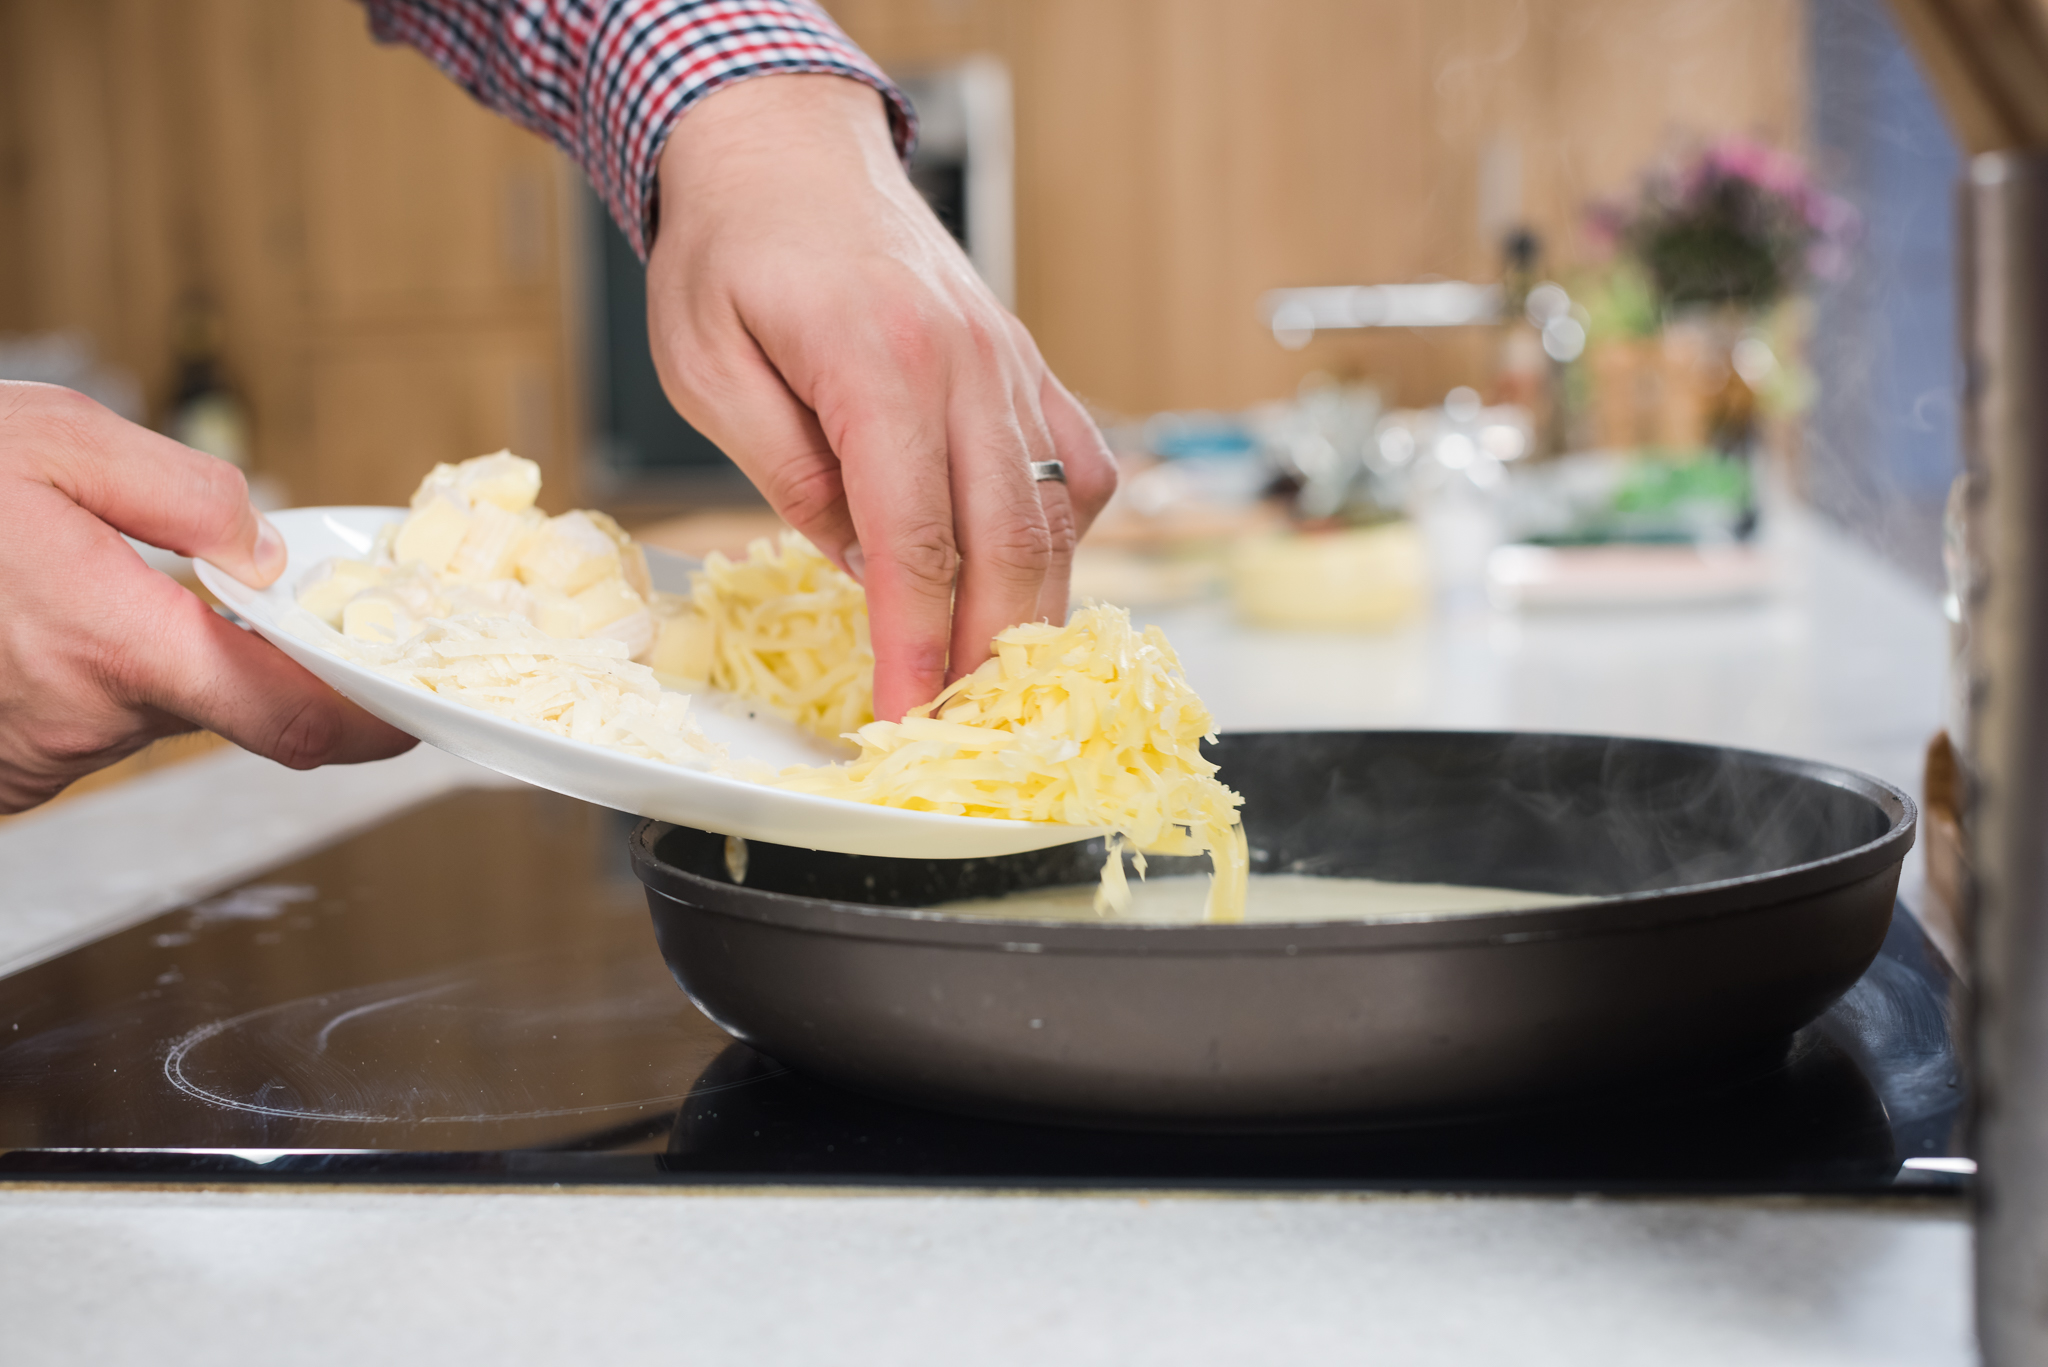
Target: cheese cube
{"points": [[501, 480], [568, 554], [432, 534], [439, 483], [555, 613], [636, 629], [605, 602], [492, 598], [685, 641], [491, 547], [378, 615], [632, 559], [327, 590]]}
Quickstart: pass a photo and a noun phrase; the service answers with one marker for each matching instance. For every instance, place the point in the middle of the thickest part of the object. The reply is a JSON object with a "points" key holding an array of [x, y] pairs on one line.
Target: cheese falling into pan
{"points": [[1092, 724]]}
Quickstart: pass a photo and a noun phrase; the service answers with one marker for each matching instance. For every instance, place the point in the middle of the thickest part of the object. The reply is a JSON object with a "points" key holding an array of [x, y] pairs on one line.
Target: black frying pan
{"points": [[1741, 894]]}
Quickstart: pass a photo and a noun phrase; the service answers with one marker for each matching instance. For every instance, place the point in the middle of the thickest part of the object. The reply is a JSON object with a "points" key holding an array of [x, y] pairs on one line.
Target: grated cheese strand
{"points": [[791, 632], [1090, 724]]}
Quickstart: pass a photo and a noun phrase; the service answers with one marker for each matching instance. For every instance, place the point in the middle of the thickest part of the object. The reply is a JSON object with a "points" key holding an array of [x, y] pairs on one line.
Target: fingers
{"points": [[1005, 544], [751, 415], [1061, 534], [1090, 468], [155, 489], [182, 658], [899, 489], [1070, 505]]}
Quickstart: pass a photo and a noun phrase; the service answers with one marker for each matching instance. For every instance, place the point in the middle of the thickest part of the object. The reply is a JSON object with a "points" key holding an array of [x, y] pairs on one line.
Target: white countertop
{"points": [[1848, 665]]}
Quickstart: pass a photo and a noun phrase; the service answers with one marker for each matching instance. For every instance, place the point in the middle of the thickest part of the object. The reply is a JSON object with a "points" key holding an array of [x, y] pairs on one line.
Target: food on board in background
{"points": [[1350, 578], [790, 629], [1092, 724]]}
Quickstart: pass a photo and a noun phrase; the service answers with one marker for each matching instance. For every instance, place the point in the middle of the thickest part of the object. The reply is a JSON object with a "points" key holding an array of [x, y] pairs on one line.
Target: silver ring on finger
{"points": [[1043, 470]]}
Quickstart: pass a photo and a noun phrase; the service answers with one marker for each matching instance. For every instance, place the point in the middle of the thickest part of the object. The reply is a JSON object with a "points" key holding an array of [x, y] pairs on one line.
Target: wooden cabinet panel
{"points": [[385, 256], [384, 410]]}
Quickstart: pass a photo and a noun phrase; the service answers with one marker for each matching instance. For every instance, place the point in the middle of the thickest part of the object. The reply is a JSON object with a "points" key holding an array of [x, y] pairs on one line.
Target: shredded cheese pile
{"points": [[1091, 724], [583, 689], [552, 622], [790, 630]]}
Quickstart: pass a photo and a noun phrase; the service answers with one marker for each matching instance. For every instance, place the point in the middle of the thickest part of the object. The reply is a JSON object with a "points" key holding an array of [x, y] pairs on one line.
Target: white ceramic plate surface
{"points": [[609, 778]]}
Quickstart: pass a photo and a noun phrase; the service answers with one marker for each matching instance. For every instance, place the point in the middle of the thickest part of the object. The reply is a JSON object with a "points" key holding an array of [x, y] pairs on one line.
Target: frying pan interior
{"points": [[1589, 815], [1737, 896]]}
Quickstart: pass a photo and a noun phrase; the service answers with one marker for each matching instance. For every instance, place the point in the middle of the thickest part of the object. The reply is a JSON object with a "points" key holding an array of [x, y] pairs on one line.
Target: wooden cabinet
{"points": [[388, 259], [395, 271]]}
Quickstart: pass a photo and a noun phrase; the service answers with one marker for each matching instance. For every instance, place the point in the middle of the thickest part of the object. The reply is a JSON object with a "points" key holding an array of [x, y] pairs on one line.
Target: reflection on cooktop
{"points": [[497, 1041], [471, 992]]}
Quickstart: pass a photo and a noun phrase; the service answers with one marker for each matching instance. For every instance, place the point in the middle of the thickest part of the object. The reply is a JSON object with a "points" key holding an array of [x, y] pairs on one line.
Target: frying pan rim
{"points": [[1625, 914]]}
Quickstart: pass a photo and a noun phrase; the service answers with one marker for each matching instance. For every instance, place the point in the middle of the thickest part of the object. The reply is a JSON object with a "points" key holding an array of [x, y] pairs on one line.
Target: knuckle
{"points": [[309, 735], [56, 403], [223, 497], [65, 423], [928, 555], [908, 338], [805, 491], [161, 619], [986, 338], [1091, 481], [1062, 530], [1020, 543], [72, 748]]}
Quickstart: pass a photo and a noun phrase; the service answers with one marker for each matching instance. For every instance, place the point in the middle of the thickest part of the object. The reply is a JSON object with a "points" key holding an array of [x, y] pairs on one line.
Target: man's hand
{"points": [[99, 654], [810, 315]]}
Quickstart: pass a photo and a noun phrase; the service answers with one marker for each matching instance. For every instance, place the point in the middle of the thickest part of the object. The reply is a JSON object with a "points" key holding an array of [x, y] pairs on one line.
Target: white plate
{"points": [[609, 778]]}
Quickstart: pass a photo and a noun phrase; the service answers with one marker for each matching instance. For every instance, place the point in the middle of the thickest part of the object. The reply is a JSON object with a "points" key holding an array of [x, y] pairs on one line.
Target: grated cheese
{"points": [[551, 622], [584, 689], [790, 630], [1092, 724]]}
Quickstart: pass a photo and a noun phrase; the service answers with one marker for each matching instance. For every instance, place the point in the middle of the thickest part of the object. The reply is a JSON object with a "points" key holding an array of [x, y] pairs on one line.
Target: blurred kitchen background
{"points": [[1488, 305]]}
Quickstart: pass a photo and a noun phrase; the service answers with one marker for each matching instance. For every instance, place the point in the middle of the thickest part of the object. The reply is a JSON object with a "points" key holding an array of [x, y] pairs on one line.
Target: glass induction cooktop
{"points": [[471, 993]]}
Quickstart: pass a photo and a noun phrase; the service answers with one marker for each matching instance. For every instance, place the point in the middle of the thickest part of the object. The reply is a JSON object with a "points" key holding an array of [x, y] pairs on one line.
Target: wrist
{"points": [[771, 122]]}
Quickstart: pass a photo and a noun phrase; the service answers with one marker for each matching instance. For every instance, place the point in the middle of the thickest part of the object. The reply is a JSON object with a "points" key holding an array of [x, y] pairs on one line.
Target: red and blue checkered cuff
{"points": [[607, 79]]}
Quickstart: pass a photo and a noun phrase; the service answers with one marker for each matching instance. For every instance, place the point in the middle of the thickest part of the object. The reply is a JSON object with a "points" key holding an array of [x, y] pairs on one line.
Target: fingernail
{"points": [[856, 563], [270, 553]]}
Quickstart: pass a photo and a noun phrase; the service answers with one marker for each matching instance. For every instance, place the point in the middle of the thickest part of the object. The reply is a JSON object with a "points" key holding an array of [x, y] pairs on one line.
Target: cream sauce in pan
{"points": [[1272, 898]]}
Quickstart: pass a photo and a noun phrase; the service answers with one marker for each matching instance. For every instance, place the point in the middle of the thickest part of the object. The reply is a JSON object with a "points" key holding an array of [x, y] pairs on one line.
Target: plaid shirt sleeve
{"points": [[606, 80]]}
